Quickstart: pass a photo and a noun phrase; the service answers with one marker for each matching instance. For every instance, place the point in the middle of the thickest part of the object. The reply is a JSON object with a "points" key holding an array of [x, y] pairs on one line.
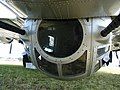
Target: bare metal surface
{"points": [[67, 9], [91, 43]]}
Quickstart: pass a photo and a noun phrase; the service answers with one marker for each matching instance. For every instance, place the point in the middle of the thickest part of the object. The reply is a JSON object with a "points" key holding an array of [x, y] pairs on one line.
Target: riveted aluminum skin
{"points": [[66, 9], [91, 43]]}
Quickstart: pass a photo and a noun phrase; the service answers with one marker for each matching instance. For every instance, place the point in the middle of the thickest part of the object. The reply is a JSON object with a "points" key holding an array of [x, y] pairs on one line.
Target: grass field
{"points": [[19, 78]]}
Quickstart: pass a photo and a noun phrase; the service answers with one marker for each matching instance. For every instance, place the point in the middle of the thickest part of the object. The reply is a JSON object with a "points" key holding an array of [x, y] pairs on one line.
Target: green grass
{"points": [[19, 78]]}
